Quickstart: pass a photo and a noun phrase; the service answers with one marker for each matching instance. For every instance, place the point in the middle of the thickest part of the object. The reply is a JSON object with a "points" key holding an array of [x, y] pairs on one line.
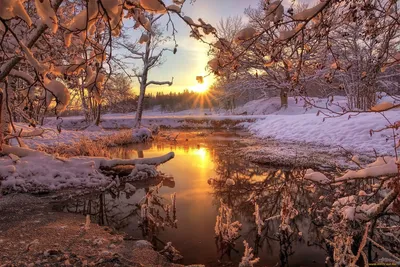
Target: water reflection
{"points": [[191, 227]]}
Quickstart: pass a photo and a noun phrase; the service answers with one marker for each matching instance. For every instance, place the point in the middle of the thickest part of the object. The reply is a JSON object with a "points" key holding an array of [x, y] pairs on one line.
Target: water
{"points": [[198, 158]]}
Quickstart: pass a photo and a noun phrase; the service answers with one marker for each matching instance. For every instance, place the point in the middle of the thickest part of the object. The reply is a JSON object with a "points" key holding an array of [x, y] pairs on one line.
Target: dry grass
{"points": [[90, 148]]}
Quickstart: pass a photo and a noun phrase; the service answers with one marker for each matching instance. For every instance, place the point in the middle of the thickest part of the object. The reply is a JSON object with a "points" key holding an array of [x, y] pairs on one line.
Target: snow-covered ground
{"points": [[185, 119], [264, 118], [299, 123], [290, 128], [51, 136]]}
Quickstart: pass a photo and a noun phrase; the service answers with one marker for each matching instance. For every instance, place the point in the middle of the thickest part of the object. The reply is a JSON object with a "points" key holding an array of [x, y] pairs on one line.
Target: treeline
{"points": [[173, 102], [165, 102]]}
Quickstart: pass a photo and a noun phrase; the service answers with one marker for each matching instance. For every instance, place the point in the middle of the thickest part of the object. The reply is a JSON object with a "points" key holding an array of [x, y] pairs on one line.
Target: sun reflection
{"points": [[201, 152]]}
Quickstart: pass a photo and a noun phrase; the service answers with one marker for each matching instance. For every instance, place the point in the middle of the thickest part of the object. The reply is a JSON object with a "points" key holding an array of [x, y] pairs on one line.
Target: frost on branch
{"points": [[189, 20], [155, 212], [248, 259], [113, 9], [226, 230], [215, 64], [288, 212], [285, 35], [94, 83], [259, 221]]}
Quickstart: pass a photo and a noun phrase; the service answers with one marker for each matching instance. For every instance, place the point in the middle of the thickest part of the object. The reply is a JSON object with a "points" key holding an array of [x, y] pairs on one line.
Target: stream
{"points": [[199, 157]]}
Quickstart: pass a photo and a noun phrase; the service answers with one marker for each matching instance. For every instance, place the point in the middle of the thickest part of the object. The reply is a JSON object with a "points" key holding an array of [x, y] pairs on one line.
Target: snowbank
{"points": [[352, 134]]}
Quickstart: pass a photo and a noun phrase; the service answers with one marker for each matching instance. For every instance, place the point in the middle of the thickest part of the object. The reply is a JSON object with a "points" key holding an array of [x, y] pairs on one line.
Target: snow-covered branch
{"points": [[160, 83]]}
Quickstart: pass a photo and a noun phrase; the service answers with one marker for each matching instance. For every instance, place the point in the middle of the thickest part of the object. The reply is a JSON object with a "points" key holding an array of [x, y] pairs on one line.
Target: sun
{"points": [[200, 88]]}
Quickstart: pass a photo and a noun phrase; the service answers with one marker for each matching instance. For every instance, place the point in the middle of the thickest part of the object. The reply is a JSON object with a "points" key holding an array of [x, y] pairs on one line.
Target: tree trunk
{"points": [[5, 118], [139, 110], [143, 85], [84, 104], [284, 98], [363, 99], [1, 120], [98, 115]]}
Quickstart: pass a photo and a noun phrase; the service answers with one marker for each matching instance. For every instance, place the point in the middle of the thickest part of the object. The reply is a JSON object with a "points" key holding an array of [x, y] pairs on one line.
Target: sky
{"points": [[191, 59]]}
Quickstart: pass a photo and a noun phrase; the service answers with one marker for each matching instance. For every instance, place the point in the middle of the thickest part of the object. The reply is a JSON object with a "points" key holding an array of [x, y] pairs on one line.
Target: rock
{"points": [[143, 244]]}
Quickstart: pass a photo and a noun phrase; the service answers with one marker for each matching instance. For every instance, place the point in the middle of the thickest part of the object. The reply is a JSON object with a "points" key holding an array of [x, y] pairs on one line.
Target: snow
{"points": [[39, 67], [174, 8], [141, 135], [316, 177], [299, 124], [153, 6], [47, 14], [382, 166], [245, 34], [15, 8], [309, 13], [196, 119], [34, 172], [382, 106], [60, 92], [51, 136], [265, 119]]}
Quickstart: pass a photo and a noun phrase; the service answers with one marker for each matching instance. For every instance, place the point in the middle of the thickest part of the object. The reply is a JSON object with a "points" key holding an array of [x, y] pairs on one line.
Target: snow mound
{"points": [[142, 135]]}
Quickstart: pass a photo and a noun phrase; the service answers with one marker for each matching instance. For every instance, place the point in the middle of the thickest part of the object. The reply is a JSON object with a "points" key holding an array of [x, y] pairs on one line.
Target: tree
{"points": [[149, 52], [118, 94]]}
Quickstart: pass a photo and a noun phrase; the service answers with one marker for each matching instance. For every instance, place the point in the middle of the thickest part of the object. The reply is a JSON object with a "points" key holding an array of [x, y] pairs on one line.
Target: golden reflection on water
{"points": [[191, 168]]}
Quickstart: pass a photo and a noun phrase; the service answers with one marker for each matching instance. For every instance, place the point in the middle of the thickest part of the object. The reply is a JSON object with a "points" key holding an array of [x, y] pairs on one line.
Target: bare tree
{"points": [[228, 27], [149, 51]]}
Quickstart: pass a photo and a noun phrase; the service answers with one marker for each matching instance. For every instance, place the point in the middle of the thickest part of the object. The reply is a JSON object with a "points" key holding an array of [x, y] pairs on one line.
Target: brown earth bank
{"points": [[32, 233]]}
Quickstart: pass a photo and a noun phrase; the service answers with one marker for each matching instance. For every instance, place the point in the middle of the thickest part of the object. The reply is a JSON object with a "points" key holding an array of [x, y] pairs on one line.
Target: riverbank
{"points": [[34, 233], [299, 124]]}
